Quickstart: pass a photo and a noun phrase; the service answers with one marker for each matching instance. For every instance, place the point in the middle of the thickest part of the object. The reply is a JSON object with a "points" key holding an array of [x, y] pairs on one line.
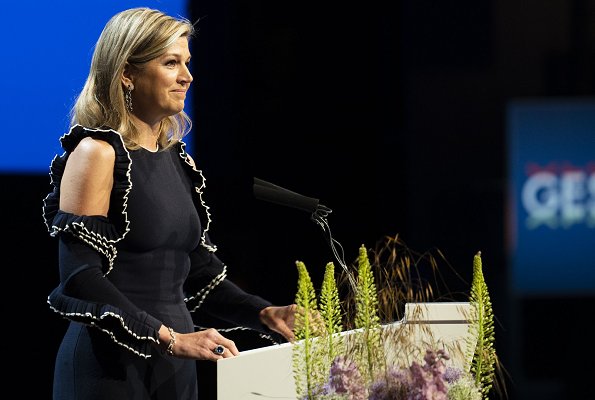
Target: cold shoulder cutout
{"points": [[101, 234]]}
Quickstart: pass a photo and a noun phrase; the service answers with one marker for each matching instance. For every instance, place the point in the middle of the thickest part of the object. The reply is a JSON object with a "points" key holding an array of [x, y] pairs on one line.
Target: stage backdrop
{"points": [[552, 196], [46, 61]]}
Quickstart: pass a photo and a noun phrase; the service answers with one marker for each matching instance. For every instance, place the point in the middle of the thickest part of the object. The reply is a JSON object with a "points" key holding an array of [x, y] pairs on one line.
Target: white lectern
{"points": [[266, 373]]}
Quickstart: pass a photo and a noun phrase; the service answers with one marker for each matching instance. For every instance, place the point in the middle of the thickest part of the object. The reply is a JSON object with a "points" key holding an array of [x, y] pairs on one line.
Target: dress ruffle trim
{"points": [[112, 320], [195, 301], [97, 231], [199, 182], [241, 328]]}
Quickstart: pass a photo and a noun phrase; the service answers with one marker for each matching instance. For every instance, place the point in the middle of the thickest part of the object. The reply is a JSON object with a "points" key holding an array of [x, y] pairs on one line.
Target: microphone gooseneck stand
{"points": [[267, 191]]}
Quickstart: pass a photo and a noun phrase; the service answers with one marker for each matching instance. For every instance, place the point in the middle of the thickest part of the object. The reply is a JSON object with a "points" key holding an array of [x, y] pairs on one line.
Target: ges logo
{"points": [[559, 195]]}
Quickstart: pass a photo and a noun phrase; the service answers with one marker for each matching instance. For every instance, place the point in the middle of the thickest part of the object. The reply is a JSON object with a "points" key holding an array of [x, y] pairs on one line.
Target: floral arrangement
{"points": [[331, 365]]}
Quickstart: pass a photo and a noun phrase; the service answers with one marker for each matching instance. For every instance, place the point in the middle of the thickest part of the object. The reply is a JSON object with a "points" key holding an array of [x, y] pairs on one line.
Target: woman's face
{"points": [[160, 86]]}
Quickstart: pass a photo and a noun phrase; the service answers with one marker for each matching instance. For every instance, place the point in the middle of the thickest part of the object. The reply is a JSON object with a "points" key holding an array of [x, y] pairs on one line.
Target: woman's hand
{"points": [[199, 345], [280, 319]]}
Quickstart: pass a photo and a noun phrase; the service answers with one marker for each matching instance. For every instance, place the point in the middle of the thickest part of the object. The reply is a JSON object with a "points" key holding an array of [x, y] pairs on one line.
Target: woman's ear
{"points": [[127, 76]]}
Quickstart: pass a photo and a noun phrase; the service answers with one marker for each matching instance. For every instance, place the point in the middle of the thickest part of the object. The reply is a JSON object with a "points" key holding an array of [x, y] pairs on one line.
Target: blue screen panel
{"points": [[552, 196]]}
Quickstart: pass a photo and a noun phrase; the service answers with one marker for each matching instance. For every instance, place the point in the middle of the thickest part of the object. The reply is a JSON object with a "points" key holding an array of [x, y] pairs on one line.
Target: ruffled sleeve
{"points": [[101, 237], [87, 251]]}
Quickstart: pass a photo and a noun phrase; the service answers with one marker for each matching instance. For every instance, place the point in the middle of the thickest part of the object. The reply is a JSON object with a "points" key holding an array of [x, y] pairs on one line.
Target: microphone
{"points": [[267, 191], [264, 190]]}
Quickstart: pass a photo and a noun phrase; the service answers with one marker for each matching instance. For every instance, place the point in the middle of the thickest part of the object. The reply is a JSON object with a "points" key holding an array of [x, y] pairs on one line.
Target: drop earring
{"points": [[128, 97]]}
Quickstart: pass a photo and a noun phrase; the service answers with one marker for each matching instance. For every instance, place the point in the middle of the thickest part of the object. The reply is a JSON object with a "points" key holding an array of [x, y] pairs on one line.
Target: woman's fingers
{"points": [[216, 339], [280, 319], [206, 345]]}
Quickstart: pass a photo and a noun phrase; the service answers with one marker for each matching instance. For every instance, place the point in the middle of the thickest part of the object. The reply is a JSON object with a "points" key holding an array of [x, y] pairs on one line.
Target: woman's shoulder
{"points": [[92, 152], [96, 150], [92, 159]]}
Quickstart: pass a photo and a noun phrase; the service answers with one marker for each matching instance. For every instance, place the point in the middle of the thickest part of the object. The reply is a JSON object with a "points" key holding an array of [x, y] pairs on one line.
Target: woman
{"points": [[136, 263]]}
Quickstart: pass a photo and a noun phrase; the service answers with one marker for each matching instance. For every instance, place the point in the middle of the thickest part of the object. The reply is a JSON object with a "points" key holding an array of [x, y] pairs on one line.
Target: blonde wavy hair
{"points": [[134, 36]]}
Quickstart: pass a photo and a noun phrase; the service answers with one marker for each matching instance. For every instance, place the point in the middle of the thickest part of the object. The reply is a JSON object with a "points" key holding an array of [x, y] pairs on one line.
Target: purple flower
{"points": [[346, 378], [452, 375], [427, 381]]}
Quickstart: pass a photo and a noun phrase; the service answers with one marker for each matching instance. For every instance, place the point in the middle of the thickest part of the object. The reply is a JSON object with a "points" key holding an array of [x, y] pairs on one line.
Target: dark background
{"points": [[393, 115]]}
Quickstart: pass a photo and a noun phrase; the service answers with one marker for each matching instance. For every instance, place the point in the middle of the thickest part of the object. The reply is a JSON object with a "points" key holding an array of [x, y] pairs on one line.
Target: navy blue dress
{"points": [[150, 262]]}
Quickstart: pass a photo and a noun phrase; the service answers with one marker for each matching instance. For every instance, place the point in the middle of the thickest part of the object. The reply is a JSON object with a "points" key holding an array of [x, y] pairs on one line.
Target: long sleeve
{"points": [[86, 295]]}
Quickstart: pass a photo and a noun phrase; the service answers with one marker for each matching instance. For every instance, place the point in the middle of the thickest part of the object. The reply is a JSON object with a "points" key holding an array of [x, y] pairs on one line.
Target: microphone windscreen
{"points": [[278, 195]]}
